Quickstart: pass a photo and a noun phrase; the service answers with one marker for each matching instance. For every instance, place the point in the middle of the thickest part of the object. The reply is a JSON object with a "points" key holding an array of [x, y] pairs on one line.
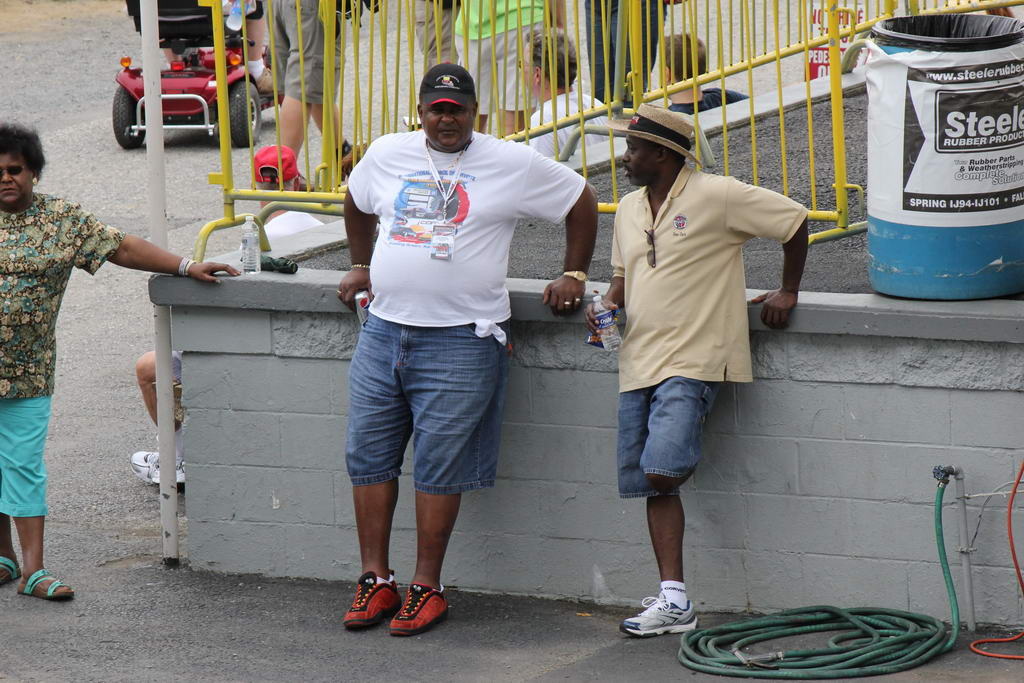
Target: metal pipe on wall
{"points": [[965, 548]]}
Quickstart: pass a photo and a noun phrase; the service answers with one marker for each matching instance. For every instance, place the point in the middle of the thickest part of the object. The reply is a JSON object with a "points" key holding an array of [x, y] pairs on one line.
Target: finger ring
{"points": [[568, 303], [577, 299], [340, 293]]}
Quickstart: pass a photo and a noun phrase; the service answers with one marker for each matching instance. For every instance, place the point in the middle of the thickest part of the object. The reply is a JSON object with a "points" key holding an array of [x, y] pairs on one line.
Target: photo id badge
{"points": [[442, 242]]}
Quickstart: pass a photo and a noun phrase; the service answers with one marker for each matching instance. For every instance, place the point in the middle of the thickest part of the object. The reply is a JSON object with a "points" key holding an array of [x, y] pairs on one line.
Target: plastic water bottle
{"points": [[234, 20], [250, 247], [606, 327]]}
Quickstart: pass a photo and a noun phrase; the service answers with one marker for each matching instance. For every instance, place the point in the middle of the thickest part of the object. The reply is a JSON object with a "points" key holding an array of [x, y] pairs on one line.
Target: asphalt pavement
{"points": [[134, 620]]}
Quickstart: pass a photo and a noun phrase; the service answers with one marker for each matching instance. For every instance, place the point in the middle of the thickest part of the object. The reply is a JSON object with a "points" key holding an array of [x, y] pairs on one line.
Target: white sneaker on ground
{"points": [[146, 465], [661, 616]]}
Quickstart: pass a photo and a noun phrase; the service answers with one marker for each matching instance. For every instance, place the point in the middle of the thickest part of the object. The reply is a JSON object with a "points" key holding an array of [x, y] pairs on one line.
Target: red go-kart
{"points": [[189, 87]]}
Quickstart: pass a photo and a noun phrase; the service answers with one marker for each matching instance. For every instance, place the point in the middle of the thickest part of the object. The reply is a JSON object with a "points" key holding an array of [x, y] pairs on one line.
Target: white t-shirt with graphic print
{"points": [[499, 182]]}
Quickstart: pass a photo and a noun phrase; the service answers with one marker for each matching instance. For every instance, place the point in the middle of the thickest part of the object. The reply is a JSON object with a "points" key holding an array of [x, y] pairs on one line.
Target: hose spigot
{"points": [[942, 473]]}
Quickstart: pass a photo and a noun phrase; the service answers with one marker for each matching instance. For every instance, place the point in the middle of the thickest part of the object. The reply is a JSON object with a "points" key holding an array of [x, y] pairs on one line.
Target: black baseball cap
{"points": [[447, 83]]}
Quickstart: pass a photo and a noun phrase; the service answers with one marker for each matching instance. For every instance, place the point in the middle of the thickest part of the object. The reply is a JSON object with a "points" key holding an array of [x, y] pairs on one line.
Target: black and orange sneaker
{"points": [[374, 602], [424, 609]]}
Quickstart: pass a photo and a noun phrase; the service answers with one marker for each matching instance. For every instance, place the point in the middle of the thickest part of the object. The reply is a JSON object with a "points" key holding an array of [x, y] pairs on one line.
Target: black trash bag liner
{"points": [[949, 32]]}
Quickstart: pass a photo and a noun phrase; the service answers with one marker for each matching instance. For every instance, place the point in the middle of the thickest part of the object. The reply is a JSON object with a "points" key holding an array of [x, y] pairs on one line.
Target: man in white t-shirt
{"points": [[432, 359], [554, 78]]}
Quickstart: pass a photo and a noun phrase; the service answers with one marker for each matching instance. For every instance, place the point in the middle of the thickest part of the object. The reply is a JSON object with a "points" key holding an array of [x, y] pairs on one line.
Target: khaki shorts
{"points": [[505, 87], [287, 48], [427, 32]]}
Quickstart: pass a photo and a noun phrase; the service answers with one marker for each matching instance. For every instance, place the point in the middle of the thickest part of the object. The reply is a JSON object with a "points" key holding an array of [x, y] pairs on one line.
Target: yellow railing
{"points": [[757, 46]]}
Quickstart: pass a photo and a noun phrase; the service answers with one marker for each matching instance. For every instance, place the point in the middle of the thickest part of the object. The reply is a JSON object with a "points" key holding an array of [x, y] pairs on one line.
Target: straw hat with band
{"points": [[668, 128]]}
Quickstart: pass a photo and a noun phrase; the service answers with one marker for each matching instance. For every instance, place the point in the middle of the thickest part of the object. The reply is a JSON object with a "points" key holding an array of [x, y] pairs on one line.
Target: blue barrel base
{"points": [[940, 263]]}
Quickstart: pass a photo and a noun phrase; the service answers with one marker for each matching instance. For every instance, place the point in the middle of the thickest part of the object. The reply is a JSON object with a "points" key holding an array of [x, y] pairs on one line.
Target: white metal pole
{"points": [[157, 191]]}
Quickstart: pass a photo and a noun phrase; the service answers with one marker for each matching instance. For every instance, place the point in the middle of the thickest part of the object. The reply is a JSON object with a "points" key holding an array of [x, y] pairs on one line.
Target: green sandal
{"points": [[42, 575], [9, 566]]}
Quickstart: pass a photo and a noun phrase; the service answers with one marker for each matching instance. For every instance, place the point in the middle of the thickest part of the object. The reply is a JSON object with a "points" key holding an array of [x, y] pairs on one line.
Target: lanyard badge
{"points": [[442, 242], [442, 237]]}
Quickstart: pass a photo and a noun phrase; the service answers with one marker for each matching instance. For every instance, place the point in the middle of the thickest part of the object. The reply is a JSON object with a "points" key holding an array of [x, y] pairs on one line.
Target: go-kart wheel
{"points": [[244, 119], [123, 116]]}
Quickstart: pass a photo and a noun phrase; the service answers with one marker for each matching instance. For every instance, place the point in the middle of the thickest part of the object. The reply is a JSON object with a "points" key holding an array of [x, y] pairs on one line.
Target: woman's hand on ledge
{"points": [[205, 271]]}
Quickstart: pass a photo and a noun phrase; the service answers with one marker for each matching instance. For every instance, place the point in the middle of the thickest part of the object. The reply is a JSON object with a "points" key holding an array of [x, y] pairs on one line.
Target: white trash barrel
{"points": [[946, 157]]}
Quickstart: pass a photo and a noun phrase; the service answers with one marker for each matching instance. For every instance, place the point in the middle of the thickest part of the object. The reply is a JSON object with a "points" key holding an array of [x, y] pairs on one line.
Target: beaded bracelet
{"points": [[361, 265]]}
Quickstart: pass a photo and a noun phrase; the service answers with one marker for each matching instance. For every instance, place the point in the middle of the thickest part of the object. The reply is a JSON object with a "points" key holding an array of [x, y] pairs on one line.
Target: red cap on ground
{"points": [[266, 158]]}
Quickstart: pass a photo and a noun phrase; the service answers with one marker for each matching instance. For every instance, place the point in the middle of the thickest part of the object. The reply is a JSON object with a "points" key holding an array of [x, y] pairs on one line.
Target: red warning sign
{"points": [[817, 57]]}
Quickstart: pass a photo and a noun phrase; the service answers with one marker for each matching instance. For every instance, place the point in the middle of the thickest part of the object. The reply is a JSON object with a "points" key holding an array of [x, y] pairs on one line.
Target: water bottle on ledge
{"points": [[606, 327], [250, 247]]}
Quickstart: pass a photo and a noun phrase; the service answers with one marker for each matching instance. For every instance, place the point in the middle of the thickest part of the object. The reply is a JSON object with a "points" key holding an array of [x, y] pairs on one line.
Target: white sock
{"points": [[255, 67], [675, 592]]}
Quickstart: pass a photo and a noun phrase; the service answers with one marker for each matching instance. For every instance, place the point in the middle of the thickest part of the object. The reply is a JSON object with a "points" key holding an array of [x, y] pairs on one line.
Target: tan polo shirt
{"points": [[687, 317]]}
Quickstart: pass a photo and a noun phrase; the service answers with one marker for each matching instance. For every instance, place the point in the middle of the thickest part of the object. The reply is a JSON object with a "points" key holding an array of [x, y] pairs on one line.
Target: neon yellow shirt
{"points": [[477, 17]]}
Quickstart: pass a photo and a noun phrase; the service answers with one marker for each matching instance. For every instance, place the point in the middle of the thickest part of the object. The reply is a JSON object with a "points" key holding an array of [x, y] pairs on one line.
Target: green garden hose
{"points": [[869, 641]]}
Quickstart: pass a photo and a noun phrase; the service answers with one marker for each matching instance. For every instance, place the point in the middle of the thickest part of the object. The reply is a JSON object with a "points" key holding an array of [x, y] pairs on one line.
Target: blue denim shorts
{"points": [[442, 386], [23, 426], [659, 432]]}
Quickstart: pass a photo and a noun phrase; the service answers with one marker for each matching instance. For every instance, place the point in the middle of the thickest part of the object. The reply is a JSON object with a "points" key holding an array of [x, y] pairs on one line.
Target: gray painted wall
{"points": [[816, 485]]}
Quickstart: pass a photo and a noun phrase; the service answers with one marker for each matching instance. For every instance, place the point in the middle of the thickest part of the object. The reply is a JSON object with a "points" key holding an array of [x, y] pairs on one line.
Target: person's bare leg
{"points": [[6, 541], [375, 508], [292, 123], [30, 536], [145, 373], [317, 112], [666, 522], [481, 123], [435, 519], [256, 30]]}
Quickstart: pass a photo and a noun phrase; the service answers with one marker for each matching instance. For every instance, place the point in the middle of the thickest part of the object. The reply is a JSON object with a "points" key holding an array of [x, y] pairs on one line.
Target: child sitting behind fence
{"points": [[558, 98], [679, 67]]}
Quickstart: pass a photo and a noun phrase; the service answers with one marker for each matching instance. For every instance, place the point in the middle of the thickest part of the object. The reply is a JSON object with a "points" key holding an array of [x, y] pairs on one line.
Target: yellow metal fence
{"points": [[622, 51]]}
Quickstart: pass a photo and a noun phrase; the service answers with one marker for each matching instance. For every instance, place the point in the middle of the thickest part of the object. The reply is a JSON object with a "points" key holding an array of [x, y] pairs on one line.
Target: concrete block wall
{"points": [[815, 488]]}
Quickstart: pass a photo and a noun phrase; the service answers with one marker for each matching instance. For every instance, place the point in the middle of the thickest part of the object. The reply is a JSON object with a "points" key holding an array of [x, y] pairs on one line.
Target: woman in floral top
{"points": [[41, 238]]}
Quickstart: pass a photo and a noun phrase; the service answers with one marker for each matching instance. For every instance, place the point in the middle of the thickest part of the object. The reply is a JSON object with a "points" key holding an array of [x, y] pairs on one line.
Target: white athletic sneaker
{"points": [[661, 616], [146, 465]]}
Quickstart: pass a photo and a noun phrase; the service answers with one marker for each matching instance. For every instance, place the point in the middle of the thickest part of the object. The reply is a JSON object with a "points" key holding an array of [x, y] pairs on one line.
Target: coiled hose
{"points": [[869, 641]]}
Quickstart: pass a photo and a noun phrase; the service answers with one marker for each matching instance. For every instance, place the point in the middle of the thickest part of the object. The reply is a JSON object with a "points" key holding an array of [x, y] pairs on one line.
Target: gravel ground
{"points": [[837, 266]]}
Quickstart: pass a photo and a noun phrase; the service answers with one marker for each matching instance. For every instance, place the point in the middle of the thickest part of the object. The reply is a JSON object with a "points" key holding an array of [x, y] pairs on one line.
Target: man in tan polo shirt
{"points": [[678, 273]]}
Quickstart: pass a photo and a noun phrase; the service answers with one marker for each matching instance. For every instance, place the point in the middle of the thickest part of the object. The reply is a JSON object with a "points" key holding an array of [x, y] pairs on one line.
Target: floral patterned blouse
{"points": [[38, 248]]}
